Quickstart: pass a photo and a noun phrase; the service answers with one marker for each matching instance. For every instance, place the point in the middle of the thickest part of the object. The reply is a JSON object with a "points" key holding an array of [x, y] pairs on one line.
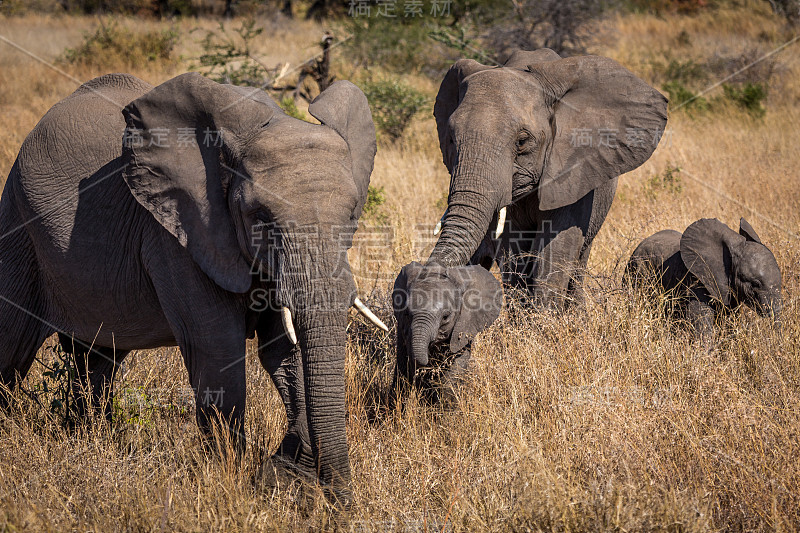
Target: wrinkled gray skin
{"points": [[511, 136], [134, 245], [439, 311], [712, 269]]}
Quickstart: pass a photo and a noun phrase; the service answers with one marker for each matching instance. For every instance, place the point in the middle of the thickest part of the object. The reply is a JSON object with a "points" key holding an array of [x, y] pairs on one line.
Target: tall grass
{"points": [[605, 418]]}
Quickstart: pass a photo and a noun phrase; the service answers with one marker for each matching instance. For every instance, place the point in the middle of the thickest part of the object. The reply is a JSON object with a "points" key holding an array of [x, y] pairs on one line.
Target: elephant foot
{"points": [[296, 455]]}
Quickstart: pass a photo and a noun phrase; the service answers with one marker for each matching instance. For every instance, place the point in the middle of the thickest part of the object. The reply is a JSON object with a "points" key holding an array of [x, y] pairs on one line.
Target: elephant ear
{"points": [[344, 108], [522, 59], [448, 97], [174, 146], [605, 121], [706, 252], [747, 231], [408, 274], [482, 299]]}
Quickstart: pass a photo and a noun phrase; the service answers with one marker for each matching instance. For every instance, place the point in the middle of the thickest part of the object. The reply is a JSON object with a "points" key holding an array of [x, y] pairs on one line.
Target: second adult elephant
{"points": [[543, 140]]}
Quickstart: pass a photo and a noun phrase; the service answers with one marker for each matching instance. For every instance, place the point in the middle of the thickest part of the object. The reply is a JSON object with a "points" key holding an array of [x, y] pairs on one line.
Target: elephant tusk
{"points": [[364, 310], [501, 222], [286, 318], [438, 227]]}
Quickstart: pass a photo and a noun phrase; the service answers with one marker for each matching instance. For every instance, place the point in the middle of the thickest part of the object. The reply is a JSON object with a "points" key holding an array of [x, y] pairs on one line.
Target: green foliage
{"points": [[659, 7], [682, 98], [373, 207], [134, 406], [441, 203], [456, 39], [227, 56], [54, 392], [749, 97], [668, 181], [290, 107], [111, 46], [393, 46], [687, 71], [393, 105]]}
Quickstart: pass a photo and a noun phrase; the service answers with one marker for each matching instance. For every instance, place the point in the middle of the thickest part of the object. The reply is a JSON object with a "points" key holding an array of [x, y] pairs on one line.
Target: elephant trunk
{"points": [[318, 289], [423, 332], [481, 184]]}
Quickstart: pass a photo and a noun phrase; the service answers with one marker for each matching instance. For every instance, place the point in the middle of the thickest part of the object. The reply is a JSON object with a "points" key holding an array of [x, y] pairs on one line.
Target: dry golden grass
{"points": [[604, 418]]}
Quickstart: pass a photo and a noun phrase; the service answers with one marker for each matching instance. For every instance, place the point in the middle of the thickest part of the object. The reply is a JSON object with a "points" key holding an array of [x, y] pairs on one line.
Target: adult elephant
{"points": [[193, 214], [538, 144]]}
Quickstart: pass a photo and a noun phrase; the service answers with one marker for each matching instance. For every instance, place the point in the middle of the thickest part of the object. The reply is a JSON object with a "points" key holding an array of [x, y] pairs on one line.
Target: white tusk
{"points": [[364, 310], [501, 222], [286, 318], [438, 227]]}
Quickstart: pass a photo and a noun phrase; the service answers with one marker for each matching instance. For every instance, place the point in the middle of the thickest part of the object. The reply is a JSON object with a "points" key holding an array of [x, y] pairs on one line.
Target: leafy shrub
{"points": [[111, 45], [562, 25], [373, 210], [227, 56], [54, 392], [668, 181], [659, 7], [687, 71], [749, 97], [290, 107], [682, 98], [393, 105], [400, 44], [456, 39]]}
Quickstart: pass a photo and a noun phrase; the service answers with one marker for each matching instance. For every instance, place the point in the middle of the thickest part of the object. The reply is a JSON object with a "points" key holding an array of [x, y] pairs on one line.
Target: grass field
{"points": [[604, 418]]}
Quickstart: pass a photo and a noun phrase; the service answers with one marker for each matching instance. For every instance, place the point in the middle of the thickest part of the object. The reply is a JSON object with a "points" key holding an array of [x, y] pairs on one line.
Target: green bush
{"points": [[749, 97], [290, 108], [397, 43], [393, 105], [227, 58], [687, 71], [373, 207], [668, 181], [682, 98], [54, 393], [111, 46]]}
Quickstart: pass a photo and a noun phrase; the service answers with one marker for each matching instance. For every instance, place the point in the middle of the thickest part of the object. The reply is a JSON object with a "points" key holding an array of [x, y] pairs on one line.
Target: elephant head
{"points": [[441, 308], [557, 128], [735, 268], [258, 197]]}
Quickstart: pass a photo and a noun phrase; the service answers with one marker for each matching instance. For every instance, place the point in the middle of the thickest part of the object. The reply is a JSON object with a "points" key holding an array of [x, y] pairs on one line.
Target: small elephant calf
{"points": [[712, 269], [439, 311]]}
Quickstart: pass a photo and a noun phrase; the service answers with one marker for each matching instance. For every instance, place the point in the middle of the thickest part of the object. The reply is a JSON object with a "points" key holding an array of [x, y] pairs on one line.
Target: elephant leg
{"points": [[210, 329], [96, 367], [283, 361], [701, 316], [23, 323], [575, 293], [555, 268]]}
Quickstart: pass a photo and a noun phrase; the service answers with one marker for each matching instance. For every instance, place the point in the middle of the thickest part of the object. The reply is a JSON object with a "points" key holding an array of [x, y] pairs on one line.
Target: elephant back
{"points": [[657, 258], [74, 148]]}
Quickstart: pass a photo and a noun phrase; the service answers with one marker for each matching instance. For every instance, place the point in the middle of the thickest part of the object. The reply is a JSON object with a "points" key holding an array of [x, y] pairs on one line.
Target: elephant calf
{"points": [[439, 311], [712, 269]]}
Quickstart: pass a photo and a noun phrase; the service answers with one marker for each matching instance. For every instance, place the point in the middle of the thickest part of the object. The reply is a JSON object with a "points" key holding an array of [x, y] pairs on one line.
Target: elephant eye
{"points": [[262, 217], [524, 141]]}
